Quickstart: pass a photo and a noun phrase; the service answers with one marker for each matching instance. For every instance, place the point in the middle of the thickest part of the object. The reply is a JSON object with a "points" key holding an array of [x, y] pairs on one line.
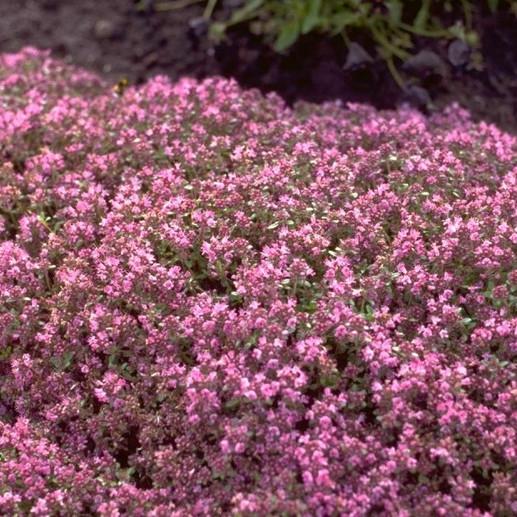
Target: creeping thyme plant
{"points": [[213, 304]]}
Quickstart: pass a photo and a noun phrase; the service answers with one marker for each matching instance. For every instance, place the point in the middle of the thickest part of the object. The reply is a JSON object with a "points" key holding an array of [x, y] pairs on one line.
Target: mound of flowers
{"points": [[213, 304]]}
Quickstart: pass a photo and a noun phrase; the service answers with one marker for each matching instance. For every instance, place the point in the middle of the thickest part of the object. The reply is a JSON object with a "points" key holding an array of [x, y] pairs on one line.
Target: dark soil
{"points": [[129, 39]]}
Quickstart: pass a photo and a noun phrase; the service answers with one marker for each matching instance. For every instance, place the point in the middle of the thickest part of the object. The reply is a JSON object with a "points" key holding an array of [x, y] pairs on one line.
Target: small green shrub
{"points": [[392, 24]]}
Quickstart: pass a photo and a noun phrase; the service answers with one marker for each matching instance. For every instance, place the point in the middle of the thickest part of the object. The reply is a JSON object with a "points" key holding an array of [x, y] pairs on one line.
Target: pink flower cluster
{"points": [[212, 304]]}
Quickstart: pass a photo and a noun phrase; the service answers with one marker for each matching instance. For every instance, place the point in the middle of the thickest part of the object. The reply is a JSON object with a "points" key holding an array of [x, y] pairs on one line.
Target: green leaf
{"points": [[312, 17], [342, 20], [422, 15], [216, 475], [62, 362], [124, 474], [288, 35], [493, 5], [216, 32], [246, 12], [469, 323], [329, 380], [67, 359], [395, 10], [112, 360], [6, 353], [232, 404]]}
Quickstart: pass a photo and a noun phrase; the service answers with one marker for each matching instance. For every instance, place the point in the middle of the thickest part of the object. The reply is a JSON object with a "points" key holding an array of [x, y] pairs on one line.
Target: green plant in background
{"points": [[392, 24]]}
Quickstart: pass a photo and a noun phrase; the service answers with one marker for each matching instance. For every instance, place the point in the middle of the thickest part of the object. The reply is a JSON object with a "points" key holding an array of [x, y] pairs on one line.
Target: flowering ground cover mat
{"points": [[213, 304]]}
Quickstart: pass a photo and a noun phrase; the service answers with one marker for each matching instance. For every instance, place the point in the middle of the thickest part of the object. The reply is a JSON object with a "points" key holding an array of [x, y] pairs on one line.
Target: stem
{"points": [[209, 10], [441, 33], [391, 49], [47, 281], [468, 13], [174, 5], [394, 72]]}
